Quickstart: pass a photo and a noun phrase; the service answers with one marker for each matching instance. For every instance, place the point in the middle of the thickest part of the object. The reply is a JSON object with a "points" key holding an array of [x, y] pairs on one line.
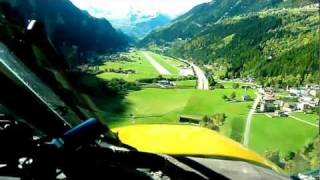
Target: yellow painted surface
{"points": [[186, 140]]}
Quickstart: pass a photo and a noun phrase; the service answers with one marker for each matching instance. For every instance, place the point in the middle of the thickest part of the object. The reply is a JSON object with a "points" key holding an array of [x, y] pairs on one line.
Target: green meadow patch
{"points": [[152, 105], [282, 133]]}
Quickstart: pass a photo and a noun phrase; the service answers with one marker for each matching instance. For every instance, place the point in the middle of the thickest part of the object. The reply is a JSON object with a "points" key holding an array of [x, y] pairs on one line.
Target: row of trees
{"points": [[160, 78], [121, 86], [306, 159], [233, 96], [214, 84], [214, 122], [284, 81]]}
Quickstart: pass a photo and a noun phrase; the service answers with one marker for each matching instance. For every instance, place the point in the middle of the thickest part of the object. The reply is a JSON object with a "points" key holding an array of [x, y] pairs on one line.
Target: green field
{"points": [[170, 64], [138, 63], [164, 106], [186, 84], [153, 105], [312, 118], [141, 66], [281, 133], [227, 84]]}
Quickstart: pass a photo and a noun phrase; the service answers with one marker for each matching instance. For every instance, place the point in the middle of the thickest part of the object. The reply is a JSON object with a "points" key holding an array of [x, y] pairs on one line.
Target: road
{"points": [[203, 83], [249, 119], [155, 64]]}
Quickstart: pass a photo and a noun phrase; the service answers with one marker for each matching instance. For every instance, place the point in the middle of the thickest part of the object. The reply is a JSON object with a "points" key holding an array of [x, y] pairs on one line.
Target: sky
{"points": [[118, 9]]}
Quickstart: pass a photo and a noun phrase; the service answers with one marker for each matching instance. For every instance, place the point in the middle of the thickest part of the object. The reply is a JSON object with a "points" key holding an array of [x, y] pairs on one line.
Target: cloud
{"points": [[120, 8]]}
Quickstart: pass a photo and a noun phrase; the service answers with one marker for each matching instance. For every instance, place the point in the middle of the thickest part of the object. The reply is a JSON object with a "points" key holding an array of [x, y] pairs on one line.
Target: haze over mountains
{"points": [[137, 18], [135, 23], [138, 25]]}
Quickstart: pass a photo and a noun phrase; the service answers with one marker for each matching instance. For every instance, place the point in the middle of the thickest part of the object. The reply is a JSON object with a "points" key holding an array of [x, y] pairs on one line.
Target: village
{"points": [[281, 103]]}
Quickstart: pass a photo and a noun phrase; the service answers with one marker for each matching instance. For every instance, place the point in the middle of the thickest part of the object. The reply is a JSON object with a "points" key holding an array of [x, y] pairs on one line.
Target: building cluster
{"points": [[299, 99], [117, 57], [248, 80], [120, 71], [165, 84]]}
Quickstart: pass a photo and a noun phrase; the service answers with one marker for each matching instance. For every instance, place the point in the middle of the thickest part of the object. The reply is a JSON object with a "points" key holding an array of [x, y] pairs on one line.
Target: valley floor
{"points": [[155, 105]]}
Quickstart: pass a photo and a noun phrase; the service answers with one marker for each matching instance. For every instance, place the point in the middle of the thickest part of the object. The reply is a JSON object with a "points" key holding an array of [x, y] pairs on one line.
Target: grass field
{"points": [[185, 84], [282, 133], [141, 66], [165, 106], [312, 118], [138, 63], [210, 102], [153, 105], [226, 84], [170, 64]]}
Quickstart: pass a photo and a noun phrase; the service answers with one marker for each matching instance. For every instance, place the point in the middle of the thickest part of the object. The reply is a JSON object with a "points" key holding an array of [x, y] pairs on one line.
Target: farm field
{"points": [[186, 84], [137, 63], [143, 69], [152, 105], [282, 133], [170, 64], [312, 118]]}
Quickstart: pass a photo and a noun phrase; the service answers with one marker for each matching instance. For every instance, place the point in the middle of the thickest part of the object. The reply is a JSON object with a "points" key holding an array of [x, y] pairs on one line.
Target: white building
{"points": [[295, 92], [313, 92]]}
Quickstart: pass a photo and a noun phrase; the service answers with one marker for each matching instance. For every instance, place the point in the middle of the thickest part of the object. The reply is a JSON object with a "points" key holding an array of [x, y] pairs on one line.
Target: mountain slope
{"points": [[258, 43], [273, 38], [138, 27], [81, 92], [69, 26], [141, 29], [205, 16]]}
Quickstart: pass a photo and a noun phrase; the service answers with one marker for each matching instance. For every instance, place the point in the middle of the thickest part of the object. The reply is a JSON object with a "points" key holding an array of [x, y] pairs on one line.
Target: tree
{"points": [[209, 123], [219, 86], [315, 155], [233, 95], [212, 81], [273, 156], [236, 85], [308, 79], [219, 118], [298, 164], [224, 97], [305, 159], [290, 156]]}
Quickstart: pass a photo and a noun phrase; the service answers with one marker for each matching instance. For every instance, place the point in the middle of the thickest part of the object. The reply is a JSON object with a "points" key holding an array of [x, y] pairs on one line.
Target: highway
{"points": [[203, 83]]}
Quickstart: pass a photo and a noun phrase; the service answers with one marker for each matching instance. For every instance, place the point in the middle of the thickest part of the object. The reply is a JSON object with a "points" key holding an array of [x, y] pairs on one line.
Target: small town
{"points": [[279, 102]]}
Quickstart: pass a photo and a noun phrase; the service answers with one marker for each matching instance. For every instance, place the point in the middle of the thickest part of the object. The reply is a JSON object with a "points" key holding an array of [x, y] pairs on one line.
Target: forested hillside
{"points": [[268, 39], [70, 29], [82, 92]]}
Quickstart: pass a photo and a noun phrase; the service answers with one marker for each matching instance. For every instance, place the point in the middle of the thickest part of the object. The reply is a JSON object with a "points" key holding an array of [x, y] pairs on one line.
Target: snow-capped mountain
{"points": [[135, 23], [138, 24]]}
